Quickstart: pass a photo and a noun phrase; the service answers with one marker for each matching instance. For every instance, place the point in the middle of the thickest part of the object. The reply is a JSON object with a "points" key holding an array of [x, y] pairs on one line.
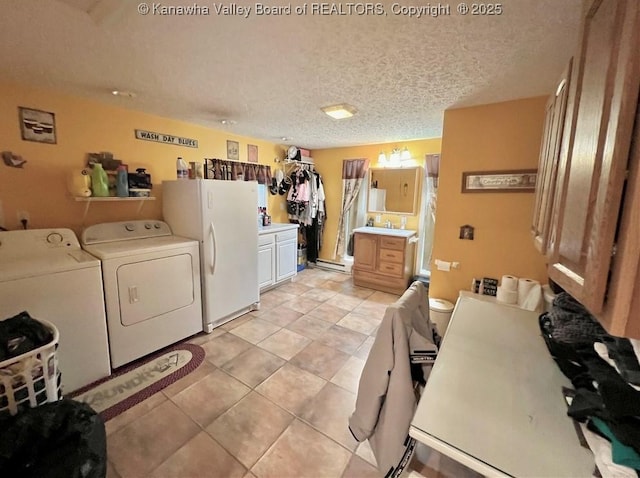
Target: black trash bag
{"points": [[64, 439], [21, 334]]}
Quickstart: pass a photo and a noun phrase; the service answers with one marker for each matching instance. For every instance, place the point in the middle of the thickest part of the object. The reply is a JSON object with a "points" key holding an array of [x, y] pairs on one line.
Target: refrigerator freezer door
{"points": [[229, 249], [222, 216]]}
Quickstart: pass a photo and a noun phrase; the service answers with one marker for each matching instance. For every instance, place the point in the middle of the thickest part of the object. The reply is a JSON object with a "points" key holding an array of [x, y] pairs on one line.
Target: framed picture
{"points": [[252, 153], [233, 150], [466, 232], [36, 125], [512, 181]]}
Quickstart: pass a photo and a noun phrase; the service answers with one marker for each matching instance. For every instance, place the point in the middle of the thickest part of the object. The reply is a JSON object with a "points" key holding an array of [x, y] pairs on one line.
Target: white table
{"points": [[493, 401]]}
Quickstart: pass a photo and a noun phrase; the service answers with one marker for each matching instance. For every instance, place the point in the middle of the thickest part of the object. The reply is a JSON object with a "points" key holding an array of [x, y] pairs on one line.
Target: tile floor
{"points": [[272, 397]]}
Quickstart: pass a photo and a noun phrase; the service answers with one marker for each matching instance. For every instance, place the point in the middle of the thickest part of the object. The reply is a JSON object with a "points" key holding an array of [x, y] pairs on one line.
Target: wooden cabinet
{"points": [[277, 257], [548, 164], [594, 249], [364, 251], [383, 262]]}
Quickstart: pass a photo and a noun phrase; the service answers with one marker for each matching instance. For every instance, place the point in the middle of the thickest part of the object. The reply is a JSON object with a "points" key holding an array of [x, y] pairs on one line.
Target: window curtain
{"points": [[236, 171], [429, 200], [353, 173]]}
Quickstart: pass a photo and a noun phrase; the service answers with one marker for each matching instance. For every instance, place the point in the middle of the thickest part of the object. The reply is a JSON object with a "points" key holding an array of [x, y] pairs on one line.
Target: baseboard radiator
{"points": [[332, 266]]}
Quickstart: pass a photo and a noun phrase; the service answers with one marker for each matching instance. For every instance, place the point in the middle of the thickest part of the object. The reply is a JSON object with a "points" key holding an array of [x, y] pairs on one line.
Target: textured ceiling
{"points": [[271, 74]]}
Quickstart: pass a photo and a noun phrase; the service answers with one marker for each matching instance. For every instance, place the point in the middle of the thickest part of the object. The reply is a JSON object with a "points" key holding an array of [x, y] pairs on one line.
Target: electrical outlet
{"points": [[378, 218]]}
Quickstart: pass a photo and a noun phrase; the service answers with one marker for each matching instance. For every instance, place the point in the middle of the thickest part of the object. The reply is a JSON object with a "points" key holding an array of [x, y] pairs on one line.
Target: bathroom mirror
{"points": [[393, 190]]}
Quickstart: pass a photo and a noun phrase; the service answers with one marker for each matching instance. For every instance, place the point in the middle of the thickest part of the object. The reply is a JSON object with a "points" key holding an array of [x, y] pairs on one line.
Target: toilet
{"points": [[548, 295], [440, 313]]}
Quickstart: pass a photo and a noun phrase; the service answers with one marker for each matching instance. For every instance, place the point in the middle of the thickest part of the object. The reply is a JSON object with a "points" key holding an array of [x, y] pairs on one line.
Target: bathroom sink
{"points": [[386, 231]]}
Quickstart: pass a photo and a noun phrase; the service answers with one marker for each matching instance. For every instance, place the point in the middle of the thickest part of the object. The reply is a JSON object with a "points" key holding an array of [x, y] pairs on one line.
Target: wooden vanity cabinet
{"points": [[383, 262]]}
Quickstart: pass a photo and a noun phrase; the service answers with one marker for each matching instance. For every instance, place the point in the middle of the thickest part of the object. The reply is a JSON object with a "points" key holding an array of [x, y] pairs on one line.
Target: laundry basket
{"points": [[32, 378]]}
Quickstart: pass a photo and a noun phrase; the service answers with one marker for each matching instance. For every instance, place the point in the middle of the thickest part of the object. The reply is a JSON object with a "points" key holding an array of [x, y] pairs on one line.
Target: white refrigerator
{"points": [[223, 217]]}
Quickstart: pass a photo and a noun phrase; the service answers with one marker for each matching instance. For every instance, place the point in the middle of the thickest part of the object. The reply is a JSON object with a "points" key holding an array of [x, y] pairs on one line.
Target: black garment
{"points": [[570, 331], [21, 334], [311, 233], [64, 439]]}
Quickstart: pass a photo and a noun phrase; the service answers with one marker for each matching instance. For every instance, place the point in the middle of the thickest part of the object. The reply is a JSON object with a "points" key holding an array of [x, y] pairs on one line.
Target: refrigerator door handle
{"points": [[213, 249]]}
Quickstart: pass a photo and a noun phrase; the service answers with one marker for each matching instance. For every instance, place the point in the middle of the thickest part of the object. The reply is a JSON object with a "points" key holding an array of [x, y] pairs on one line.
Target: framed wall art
{"points": [[233, 150], [511, 181], [37, 125], [252, 153]]}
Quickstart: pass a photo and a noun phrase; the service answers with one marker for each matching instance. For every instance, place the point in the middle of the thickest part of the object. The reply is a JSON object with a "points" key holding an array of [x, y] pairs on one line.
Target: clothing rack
{"points": [[297, 165]]}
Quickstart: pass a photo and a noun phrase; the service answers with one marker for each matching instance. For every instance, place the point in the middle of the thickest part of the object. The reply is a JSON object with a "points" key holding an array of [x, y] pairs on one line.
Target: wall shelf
{"points": [[113, 198], [89, 200]]}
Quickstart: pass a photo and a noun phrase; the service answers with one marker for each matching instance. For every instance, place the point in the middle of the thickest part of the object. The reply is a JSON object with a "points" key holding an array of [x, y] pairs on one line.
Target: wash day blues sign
{"points": [[166, 138]]}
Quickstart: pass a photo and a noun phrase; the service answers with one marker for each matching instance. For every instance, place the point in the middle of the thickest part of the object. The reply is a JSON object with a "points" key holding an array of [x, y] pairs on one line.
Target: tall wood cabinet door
{"points": [[548, 164], [606, 95], [365, 251]]}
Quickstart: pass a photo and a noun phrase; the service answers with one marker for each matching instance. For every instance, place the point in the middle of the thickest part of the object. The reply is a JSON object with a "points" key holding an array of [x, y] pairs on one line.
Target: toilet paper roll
{"points": [[509, 283], [506, 296], [529, 293]]}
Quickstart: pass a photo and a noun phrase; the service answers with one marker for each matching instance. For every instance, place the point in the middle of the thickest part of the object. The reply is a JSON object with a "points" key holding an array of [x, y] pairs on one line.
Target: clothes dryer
{"points": [[151, 286]]}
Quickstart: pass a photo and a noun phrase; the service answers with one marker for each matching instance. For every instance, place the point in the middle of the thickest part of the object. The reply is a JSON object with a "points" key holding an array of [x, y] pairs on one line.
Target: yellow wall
{"points": [[85, 126], [329, 164], [491, 137]]}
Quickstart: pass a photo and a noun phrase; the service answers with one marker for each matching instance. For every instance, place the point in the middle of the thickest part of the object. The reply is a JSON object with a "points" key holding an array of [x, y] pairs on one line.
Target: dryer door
{"points": [[151, 288]]}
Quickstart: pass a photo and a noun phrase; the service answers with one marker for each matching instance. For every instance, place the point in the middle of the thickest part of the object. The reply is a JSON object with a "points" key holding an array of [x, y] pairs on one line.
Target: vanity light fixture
{"points": [[340, 111], [396, 157]]}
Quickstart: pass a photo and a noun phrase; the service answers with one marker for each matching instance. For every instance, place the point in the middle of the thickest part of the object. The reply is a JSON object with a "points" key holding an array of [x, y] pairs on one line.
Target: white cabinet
{"points": [[277, 255], [286, 256], [266, 260]]}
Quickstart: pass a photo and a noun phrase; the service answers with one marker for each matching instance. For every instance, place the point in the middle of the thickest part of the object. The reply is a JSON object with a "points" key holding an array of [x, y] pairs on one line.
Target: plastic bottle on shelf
{"points": [[182, 169], [122, 182], [99, 181]]}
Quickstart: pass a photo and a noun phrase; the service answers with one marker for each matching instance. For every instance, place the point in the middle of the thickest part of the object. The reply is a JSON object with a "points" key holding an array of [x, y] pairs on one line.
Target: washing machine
{"points": [[46, 273], [151, 286]]}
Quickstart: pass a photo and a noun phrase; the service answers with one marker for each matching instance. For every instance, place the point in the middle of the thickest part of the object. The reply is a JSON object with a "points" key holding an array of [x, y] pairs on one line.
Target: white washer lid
{"points": [[134, 247], [51, 262], [440, 305]]}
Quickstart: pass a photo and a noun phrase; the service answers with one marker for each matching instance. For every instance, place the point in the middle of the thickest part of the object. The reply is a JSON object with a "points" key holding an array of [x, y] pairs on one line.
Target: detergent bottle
{"points": [[99, 181]]}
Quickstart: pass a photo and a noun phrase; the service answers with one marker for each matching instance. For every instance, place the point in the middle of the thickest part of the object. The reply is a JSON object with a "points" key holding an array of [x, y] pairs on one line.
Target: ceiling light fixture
{"points": [[123, 93], [340, 111], [228, 122]]}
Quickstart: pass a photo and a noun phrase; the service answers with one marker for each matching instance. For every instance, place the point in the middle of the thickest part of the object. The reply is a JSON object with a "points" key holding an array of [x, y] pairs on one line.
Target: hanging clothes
{"points": [[306, 206], [314, 232]]}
